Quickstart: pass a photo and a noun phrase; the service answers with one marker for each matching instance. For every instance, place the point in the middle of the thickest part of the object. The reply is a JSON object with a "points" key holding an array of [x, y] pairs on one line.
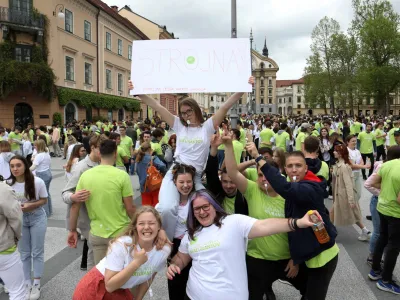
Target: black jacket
{"points": [[308, 194], [215, 186]]}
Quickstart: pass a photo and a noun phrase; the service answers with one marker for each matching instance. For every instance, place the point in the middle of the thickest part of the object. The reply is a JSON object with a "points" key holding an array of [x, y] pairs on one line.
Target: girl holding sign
{"points": [[192, 147]]}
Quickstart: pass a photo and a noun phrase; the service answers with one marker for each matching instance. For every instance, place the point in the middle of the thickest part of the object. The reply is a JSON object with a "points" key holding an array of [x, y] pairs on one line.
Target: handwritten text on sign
{"points": [[190, 66]]}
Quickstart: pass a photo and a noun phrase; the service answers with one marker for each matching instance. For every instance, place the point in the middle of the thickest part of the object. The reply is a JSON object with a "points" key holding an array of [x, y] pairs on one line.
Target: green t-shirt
{"points": [[252, 174], [165, 138], [317, 126], [48, 139], [366, 144], [273, 247], [229, 205], [379, 141], [390, 188], [222, 146], [107, 128], [243, 137], [265, 136], [10, 250], [106, 210], [280, 140], [121, 153], [392, 141], [13, 135], [31, 134], [323, 258], [324, 171], [156, 148], [237, 150], [315, 133], [126, 143], [355, 128], [299, 140], [138, 133], [99, 124]]}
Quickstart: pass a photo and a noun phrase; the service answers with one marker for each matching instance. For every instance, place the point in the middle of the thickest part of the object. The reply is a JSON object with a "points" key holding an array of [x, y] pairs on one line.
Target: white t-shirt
{"points": [[119, 257], [219, 260], [69, 150], [355, 157], [4, 168], [193, 143], [181, 227], [40, 190], [42, 161]]}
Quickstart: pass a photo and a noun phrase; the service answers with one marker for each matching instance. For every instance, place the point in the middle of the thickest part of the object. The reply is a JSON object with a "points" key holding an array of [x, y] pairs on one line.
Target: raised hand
{"points": [[216, 140], [252, 149], [252, 80], [227, 137]]}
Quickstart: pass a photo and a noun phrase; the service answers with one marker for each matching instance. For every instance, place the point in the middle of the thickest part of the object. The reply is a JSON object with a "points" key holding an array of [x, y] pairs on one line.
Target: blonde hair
{"points": [[144, 147], [40, 146], [131, 229]]}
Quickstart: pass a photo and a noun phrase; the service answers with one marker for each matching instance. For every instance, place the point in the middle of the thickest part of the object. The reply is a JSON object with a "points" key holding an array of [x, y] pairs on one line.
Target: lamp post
{"points": [[60, 13], [251, 95], [234, 116]]}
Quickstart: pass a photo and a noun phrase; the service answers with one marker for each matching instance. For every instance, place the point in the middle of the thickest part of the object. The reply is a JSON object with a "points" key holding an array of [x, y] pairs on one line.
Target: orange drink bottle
{"points": [[319, 229]]}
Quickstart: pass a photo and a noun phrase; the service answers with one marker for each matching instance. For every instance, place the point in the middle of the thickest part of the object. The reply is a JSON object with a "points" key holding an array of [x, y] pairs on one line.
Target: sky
{"points": [[286, 24]]}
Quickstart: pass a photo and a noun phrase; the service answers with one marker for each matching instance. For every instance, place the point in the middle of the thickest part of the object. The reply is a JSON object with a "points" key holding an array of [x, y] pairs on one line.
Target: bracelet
{"points": [[260, 157], [72, 230], [290, 224], [295, 224]]}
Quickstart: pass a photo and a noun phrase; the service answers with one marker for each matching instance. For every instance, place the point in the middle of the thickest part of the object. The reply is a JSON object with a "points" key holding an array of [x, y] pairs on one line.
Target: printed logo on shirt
{"points": [[207, 246], [191, 141], [274, 212], [144, 271], [192, 242]]}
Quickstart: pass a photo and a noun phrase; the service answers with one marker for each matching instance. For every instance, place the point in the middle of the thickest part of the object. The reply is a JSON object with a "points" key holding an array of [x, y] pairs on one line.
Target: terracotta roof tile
{"points": [[282, 83]]}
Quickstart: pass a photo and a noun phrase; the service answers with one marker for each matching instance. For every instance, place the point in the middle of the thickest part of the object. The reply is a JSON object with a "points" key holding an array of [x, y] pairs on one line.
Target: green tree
{"points": [[376, 26]]}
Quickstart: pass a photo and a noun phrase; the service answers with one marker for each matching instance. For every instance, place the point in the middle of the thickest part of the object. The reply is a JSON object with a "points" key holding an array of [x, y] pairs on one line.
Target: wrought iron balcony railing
{"points": [[22, 18]]}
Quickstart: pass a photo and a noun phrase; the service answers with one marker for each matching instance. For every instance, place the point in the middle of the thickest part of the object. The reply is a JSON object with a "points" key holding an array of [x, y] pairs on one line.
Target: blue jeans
{"points": [[31, 245], [47, 177], [375, 223]]}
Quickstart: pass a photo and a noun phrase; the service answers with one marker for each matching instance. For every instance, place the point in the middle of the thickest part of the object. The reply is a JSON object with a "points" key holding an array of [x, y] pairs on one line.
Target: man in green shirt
{"points": [[158, 135], [282, 138], [301, 136], [122, 157], [126, 144], [237, 146], [397, 137], [266, 135], [380, 136], [366, 139], [392, 141], [15, 140]]}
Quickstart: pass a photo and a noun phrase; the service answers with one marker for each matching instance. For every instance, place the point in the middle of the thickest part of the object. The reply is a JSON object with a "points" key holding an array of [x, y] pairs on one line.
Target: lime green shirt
{"points": [[156, 148], [315, 133], [324, 171], [10, 250], [229, 205], [274, 247], [107, 128], [165, 138], [299, 140], [317, 126], [355, 128], [105, 206], [252, 174], [12, 136], [121, 153], [323, 258], [265, 136], [48, 139], [242, 137], [222, 146], [237, 150], [281, 139], [392, 141], [126, 143], [379, 141], [31, 134], [366, 142], [390, 189]]}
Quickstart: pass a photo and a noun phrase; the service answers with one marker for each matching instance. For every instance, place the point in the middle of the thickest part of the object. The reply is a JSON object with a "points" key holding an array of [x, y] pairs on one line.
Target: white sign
{"points": [[191, 66]]}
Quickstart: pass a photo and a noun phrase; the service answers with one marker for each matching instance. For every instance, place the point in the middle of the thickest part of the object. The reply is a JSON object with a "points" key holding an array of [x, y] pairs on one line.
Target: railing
{"points": [[23, 18]]}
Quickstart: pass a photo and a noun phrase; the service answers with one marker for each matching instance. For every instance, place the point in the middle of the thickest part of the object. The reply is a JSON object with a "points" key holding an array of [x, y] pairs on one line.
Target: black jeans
{"points": [[389, 237], [380, 151], [318, 280], [371, 157], [85, 251], [177, 286], [262, 273]]}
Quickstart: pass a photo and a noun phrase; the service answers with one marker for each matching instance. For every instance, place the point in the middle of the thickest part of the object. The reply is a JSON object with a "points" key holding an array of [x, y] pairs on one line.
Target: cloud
{"points": [[286, 24]]}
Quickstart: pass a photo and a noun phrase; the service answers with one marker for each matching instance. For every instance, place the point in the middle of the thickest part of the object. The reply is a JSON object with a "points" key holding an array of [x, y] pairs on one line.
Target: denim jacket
{"points": [[141, 168]]}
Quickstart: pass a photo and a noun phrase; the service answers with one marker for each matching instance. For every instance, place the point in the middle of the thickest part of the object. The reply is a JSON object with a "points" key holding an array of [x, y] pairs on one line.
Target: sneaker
{"points": [[391, 287], [365, 236], [28, 292], [35, 292], [375, 275]]}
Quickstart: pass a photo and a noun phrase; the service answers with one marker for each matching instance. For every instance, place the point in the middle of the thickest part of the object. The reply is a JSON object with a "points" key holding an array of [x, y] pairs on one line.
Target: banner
{"points": [[191, 66]]}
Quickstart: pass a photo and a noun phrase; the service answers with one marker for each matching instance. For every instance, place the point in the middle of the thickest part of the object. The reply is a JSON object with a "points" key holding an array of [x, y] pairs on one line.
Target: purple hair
{"points": [[192, 223]]}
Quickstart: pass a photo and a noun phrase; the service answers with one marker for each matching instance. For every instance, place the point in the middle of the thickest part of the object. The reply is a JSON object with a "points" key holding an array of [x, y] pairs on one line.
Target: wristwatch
{"points": [[260, 157]]}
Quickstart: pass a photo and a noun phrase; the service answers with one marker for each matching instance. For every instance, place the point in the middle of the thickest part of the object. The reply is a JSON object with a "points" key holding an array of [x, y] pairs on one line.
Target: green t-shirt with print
{"points": [[106, 210], [265, 136], [229, 205], [12, 136], [379, 141], [366, 142], [274, 247], [121, 153], [324, 171], [126, 143], [281, 139], [156, 148], [237, 150], [323, 258], [299, 140], [390, 188]]}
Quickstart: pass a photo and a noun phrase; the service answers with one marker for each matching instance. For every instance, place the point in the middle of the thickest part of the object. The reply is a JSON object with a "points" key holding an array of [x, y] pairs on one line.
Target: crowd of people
{"points": [[228, 210]]}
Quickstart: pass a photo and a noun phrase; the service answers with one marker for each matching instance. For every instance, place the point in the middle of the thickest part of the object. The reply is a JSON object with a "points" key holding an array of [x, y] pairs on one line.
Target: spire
{"points": [[265, 49], [251, 38]]}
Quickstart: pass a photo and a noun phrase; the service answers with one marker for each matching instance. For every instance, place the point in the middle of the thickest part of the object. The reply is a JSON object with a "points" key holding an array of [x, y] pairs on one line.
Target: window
{"points": [[262, 82], [69, 68], [240, 110], [69, 21], [22, 5], [88, 73], [269, 92], [280, 100], [108, 41], [119, 47], [23, 53], [270, 65], [130, 52], [88, 31], [120, 82], [262, 92], [262, 100], [270, 109], [270, 82], [222, 99], [269, 101], [212, 98], [240, 101], [298, 105], [298, 98], [110, 114], [290, 99], [89, 116], [108, 79], [262, 109], [298, 112], [298, 89], [284, 100]]}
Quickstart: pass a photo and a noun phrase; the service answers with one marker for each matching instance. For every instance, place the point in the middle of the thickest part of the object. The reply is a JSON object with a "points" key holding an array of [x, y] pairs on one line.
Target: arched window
{"points": [[121, 114], [70, 112], [23, 114]]}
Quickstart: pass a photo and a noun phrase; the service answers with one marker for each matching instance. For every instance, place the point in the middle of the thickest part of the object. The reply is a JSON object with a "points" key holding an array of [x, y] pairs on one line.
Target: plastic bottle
{"points": [[319, 229], [367, 161]]}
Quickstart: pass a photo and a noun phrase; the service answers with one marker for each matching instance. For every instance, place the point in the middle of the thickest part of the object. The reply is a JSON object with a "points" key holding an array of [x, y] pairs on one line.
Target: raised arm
{"points": [[213, 182]]}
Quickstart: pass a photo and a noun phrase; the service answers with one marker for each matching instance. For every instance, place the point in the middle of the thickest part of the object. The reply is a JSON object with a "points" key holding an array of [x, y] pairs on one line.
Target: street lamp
{"points": [[234, 116], [60, 14]]}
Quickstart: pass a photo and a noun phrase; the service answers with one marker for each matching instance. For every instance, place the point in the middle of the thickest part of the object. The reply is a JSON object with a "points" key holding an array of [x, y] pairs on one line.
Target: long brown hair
{"points": [[194, 106], [344, 153], [30, 192], [144, 147], [74, 154]]}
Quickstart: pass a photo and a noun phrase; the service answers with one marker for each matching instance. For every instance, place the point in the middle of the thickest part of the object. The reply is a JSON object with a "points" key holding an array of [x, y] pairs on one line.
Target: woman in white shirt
{"points": [[78, 153], [32, 195], [192, 147], [216, 245], [41, 165], [5, 157], [132, 261], [184, 181]]}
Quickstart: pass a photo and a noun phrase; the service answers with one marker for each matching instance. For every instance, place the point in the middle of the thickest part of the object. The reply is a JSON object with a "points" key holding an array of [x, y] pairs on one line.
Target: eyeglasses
{"points": [[188, 113], [205, 207]]}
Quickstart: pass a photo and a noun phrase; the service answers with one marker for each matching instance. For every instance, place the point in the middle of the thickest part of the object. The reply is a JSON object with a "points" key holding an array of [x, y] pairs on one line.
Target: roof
{"points": [[104, 7], [282, 83]]}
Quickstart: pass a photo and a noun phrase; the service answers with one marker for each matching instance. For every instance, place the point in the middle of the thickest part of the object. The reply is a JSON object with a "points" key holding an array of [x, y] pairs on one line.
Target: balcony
{"points": [[21, 19]]}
